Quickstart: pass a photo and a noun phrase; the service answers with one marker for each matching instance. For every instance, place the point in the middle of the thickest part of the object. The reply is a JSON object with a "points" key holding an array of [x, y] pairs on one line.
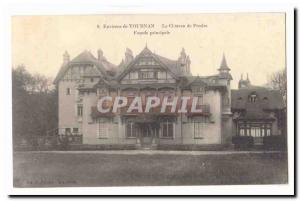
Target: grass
{"points": [[88, 169]]}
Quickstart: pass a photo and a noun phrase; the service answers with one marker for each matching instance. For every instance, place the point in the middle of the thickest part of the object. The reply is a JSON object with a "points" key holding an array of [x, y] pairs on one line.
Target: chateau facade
{"points": [[83, 80]]}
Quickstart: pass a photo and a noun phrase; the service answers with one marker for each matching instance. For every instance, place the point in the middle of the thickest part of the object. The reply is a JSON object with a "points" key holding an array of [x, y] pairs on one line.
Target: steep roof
{"points": [[61, 72], [267, 99], [171, 65], [224, 65], [224, 69], [86, 57], [196, 80]]}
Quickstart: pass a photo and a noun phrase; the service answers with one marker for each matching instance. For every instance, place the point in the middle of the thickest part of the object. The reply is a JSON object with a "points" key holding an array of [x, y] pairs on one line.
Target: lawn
{"points": [[97, 169]]}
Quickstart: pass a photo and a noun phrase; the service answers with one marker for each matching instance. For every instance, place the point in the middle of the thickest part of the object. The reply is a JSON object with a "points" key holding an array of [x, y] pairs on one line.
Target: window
{"points": [[252, 132], [146, 132], [147, 75], [169, 76], [92, 79], [255, 129], [257, 132], [75, 130], [103, 129], [131, 130], [102, 91], [199, 126], [200, 100], [198, 129], [167, 129], [161, 75], [133, 75], [68, 91], [199, 89], [268, 129], [252, 98], [67, 131], [147, 61], [242, 132], [79, 110], [81, 70]]}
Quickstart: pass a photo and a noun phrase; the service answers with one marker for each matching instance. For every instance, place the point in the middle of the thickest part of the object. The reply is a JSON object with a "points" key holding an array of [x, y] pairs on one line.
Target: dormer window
{"points": [[252, 98]]}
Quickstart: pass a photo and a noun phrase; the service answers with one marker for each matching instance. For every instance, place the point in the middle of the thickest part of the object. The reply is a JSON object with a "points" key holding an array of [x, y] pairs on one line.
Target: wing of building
{"points": [[257, 111], [83, 80]]}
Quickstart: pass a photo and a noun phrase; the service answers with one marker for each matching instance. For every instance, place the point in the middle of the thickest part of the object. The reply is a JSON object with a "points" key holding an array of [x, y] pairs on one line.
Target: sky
{"points": [[253, 43]]}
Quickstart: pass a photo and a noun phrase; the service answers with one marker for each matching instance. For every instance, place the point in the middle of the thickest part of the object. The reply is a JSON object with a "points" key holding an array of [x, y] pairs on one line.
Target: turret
{"points": [[224, 69], [224, 79], [224, 72]]}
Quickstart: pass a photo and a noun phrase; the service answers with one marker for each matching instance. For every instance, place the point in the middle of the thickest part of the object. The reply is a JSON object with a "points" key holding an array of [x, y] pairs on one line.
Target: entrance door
{"points": [[146, 133]]}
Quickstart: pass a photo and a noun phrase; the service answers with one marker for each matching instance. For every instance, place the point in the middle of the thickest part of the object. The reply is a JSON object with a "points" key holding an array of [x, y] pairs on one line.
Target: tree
{"points": [[278, 80], [34, 105]]}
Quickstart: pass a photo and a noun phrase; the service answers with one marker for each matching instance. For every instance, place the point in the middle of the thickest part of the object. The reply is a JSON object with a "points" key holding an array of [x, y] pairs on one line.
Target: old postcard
{"points": [[149, 100]]}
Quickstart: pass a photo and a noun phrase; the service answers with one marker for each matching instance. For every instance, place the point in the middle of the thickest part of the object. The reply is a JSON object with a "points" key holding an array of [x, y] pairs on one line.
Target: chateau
{"points": [[224, 113]]}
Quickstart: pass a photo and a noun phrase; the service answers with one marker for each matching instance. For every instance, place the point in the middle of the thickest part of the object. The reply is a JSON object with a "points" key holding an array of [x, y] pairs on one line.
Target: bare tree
{"points": [[278, 80]]}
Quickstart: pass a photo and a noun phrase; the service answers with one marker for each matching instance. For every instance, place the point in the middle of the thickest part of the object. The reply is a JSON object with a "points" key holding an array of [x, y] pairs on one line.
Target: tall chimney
{"points": [[188, 64], [66, 57], [100, 54]]}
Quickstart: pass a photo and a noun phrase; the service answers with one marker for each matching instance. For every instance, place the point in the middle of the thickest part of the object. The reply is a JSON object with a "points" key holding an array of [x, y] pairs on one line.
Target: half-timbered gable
{"points": [[148, 68]]}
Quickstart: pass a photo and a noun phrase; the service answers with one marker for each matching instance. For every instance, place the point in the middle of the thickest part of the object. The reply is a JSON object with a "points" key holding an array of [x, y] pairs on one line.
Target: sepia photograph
{"points": [[124, 100]]}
